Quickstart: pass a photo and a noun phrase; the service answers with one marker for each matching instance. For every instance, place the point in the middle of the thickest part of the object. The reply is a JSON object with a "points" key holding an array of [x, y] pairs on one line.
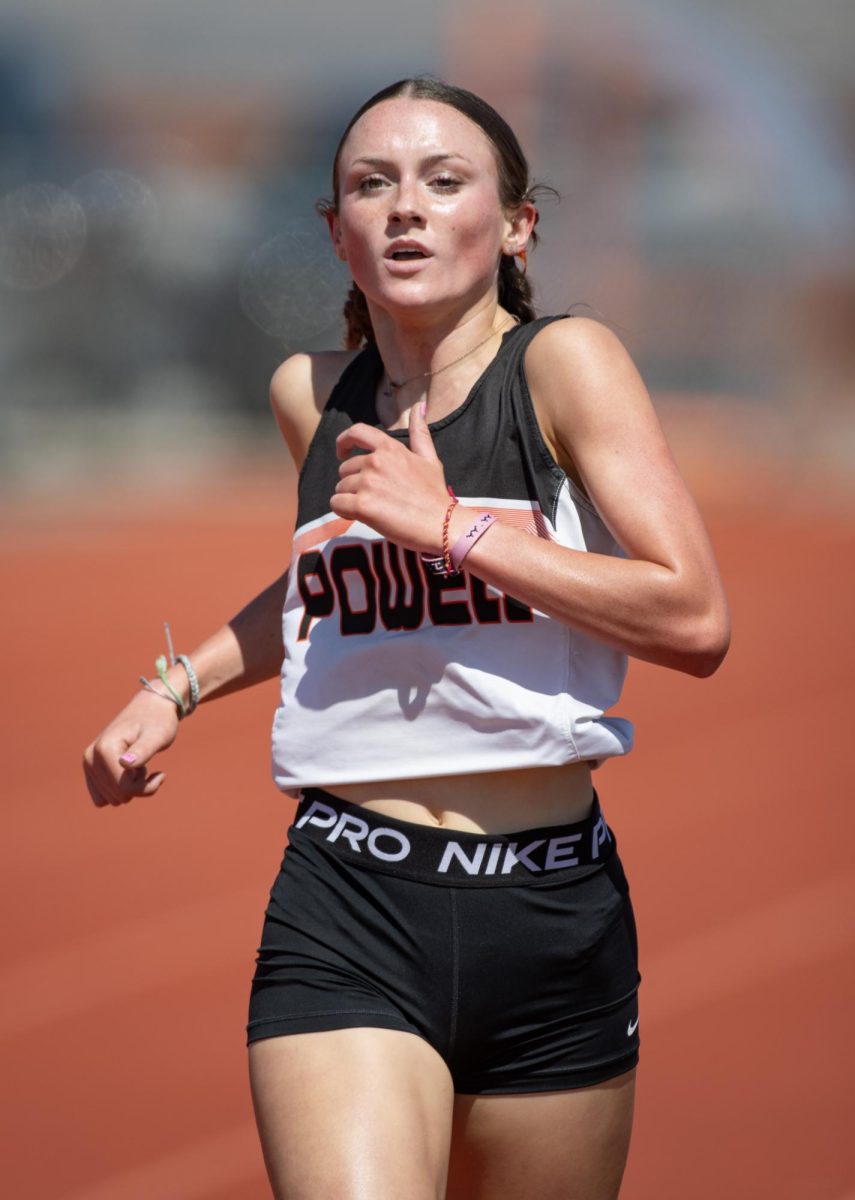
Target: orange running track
{"points": [[130, 934]]}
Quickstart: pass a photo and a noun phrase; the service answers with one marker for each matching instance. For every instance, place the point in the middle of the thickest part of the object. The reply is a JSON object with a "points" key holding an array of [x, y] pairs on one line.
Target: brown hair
{"points": [[515, 291]]}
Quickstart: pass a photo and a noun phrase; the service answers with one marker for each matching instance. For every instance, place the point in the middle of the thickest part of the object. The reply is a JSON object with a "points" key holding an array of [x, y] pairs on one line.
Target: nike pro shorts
{"points": [[514, 955]]}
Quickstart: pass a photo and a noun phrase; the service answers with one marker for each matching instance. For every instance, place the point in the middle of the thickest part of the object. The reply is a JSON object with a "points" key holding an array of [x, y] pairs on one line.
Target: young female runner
{"points": [[489, 522]]}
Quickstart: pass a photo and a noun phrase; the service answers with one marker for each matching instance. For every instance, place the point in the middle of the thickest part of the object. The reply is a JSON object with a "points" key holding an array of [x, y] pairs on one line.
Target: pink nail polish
{"points": [[423, 408], [128, 758]]}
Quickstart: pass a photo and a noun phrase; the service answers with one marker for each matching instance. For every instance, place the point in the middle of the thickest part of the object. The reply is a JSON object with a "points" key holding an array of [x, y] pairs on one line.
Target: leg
{"points": [[569, 1145], [355, 1114]]}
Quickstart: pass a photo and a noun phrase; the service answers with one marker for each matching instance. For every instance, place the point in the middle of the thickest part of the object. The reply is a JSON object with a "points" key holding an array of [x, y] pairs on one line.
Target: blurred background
{"points": [[159, 256], [159, 251]]}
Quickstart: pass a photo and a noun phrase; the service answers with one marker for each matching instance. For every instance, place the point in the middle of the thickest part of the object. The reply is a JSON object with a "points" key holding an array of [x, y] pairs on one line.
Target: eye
{"points": [[445, 183], [371, 183]]}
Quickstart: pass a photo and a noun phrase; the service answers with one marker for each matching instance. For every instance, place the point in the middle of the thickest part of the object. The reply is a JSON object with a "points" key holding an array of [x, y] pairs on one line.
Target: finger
{"points": [[136, 751], [421, 442], [95, 793], [136, 783], [352, 466], [360, 437], [152, 784], [129, 785], [345, 505], [107, 791], [132, 783], [115, 769], [101, 782]]}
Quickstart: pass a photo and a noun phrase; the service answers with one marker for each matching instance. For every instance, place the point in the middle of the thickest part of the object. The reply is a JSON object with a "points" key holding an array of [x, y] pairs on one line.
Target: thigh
{"points": [[569, 1145], [355, 1114]]}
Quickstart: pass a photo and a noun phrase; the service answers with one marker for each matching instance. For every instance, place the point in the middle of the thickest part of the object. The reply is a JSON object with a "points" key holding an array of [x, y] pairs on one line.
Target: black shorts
{"points": [[513, 955]]}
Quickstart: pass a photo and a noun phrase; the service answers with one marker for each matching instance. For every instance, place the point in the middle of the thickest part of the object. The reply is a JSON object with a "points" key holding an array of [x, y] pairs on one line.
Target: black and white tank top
{"points": [[391, 672]]}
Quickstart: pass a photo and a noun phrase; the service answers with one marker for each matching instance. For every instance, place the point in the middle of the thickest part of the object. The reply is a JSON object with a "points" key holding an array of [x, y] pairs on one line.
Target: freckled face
{"points": [[419, 220]]}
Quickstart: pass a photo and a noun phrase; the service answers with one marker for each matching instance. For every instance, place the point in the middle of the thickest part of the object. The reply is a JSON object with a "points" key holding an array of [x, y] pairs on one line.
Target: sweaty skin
{"points": [[415, 172], [420, 221]]}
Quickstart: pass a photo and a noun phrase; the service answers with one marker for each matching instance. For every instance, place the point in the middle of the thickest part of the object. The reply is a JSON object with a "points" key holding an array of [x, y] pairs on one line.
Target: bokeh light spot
{"points": [[42, 236]]}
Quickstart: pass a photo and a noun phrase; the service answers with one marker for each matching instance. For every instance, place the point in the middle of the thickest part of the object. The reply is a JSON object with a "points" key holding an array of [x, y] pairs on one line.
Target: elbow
{"points": [[706, 663], [708, 643]]}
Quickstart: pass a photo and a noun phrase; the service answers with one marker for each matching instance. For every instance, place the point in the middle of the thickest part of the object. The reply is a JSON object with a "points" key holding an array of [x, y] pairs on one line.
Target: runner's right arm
{"points": [[244, 652]]}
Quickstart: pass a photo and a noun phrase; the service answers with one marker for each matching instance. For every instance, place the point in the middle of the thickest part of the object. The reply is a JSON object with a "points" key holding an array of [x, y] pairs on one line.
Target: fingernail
{"points": [[423, 408], [128, 758]]}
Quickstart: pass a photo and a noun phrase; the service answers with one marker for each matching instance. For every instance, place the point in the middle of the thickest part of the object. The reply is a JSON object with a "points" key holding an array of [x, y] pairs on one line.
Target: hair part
{"points": [[515, 188]]}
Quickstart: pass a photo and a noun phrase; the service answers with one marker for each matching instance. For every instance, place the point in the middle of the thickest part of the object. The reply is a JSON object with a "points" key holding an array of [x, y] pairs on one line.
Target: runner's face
{"points": [[419, 221]]}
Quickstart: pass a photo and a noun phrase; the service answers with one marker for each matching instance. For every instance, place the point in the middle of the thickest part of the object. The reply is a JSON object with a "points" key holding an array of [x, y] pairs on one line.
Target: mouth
{"points": [[406, 251]]}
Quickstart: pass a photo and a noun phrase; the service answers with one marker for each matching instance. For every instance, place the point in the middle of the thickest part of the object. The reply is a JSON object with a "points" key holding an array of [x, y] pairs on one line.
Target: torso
{"points": [[486, 801]]}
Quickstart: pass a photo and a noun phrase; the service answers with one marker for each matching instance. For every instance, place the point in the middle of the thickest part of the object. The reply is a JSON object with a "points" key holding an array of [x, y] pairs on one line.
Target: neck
{"points": [[413, 343], [414, 354]]}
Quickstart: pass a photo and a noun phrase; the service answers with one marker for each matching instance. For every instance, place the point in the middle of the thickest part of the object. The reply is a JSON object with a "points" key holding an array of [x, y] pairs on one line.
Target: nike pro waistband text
{"points": [[449, 855]]}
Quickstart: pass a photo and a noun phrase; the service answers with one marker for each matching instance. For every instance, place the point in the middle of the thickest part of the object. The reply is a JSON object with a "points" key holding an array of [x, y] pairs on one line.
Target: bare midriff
{"points": [[485, 802]]}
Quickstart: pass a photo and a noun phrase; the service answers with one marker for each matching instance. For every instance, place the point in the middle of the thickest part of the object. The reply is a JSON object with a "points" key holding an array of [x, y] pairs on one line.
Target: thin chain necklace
{"points": [[396, 387]]}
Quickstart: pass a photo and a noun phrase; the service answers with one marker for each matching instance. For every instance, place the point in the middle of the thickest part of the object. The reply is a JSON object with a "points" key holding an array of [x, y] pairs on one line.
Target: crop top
{"points": [[391, 672]]}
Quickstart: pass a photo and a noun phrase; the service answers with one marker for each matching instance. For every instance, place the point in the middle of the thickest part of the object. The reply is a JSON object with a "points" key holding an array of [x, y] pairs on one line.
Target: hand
{"points": [[115, 763], [399, 492]]}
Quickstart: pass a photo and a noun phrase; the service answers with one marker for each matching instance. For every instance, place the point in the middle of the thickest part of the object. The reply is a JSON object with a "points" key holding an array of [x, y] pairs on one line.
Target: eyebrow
{"points": [[431, 161]]}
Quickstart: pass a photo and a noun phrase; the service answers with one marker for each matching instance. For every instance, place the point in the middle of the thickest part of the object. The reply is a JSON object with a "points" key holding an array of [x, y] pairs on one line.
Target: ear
{"points": [[519, 224], [334, 226]]}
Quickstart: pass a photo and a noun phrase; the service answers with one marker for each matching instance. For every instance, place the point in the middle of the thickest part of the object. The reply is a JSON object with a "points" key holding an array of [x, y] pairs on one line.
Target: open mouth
{"points": [[406, 251]]}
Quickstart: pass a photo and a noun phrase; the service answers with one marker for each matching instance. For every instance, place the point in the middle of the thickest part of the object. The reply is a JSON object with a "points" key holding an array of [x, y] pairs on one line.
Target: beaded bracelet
{"points": [[192, 679]]}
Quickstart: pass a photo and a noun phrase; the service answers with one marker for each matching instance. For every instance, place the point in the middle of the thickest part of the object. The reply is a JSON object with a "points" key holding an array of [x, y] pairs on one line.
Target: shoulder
{"points": [[305, 381], [581, 376], [299, 390], [578, 348]]}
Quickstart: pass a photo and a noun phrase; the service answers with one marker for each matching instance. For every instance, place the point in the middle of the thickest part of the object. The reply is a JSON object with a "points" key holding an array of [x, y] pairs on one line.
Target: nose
{"points": [[405, 206]]}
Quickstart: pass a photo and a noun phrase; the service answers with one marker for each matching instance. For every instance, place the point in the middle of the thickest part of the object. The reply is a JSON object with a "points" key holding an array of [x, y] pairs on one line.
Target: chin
{"points": [[410, 296], [409, 299]]}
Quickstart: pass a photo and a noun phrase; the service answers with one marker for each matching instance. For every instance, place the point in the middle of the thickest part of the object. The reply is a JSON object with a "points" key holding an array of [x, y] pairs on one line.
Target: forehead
{"points": [[407, 125]]}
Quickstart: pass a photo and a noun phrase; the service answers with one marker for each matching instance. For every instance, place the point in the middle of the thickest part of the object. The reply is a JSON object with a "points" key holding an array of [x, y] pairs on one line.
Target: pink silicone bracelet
{"points": [[465, 543]]}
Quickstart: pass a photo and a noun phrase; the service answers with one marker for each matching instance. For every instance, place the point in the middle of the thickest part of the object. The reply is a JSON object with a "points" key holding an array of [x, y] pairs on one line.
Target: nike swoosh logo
{"points": [[631, 1027]]}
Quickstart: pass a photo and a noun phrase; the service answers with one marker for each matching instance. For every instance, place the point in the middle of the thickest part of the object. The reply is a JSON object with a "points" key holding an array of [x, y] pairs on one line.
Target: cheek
{"points": [[477, 239], [357, 246], [476, 230]]}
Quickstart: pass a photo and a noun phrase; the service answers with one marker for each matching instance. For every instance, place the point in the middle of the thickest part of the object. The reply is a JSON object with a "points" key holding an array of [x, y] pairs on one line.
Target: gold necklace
{"points": [[396, 387]]}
